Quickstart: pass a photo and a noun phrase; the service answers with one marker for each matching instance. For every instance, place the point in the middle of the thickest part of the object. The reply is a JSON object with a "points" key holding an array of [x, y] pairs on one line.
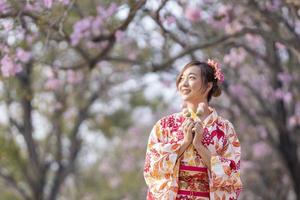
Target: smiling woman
{"points": [[199, 75], [194, 154]]}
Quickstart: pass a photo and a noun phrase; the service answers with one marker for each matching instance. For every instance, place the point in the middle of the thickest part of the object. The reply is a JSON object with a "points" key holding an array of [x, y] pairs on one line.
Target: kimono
{"points": [[173, 177]]}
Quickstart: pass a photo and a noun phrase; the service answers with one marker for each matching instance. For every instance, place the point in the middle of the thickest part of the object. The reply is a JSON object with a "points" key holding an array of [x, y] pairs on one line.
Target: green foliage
{"points": [[10, 156], [110, 124], [137, 98], [9, 196]]}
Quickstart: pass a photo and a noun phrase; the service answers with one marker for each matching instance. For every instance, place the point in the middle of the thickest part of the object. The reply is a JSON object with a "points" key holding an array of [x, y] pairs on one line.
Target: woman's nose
{"points": [[185, 82]]}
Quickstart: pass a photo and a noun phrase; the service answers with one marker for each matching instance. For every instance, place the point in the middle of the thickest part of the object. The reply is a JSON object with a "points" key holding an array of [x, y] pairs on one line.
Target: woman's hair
{"points": [[207, 75]]}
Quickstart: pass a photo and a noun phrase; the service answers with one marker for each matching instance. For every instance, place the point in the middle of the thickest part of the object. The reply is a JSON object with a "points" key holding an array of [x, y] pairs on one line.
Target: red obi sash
{"points": [[193, 183]]}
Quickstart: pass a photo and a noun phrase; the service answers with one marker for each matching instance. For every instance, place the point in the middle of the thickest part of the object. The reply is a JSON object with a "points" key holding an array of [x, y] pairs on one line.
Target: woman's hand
{"points": [[187, 128], [197, 143], [198, 129]]}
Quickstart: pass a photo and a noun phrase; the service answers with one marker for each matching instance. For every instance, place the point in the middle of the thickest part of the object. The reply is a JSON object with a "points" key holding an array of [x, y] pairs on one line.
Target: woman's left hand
{"points": [[198, 134], [197, 143]]}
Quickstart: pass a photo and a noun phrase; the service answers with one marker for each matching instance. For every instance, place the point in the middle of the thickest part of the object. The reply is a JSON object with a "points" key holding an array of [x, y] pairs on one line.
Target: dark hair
{"points": [[207, 75]]}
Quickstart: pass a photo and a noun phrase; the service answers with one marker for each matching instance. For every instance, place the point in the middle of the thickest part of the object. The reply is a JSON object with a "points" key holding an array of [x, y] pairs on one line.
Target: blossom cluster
{"points": [[11, 64]]}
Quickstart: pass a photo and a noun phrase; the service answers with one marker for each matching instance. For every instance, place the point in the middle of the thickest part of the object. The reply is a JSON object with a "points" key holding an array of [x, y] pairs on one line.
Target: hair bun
{"points": [[217, 91]]}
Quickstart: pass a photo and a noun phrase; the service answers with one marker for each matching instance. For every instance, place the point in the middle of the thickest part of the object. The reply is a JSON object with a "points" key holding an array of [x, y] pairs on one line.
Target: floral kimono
{"points": [[170, 177]]}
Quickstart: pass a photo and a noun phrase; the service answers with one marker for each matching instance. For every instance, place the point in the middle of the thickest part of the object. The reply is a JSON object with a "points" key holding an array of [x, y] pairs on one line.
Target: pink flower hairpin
{"points": [[217, 70]]}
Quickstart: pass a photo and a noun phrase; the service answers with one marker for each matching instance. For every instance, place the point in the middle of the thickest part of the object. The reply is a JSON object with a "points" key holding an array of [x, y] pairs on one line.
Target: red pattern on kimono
{"points": [[170, 177]]}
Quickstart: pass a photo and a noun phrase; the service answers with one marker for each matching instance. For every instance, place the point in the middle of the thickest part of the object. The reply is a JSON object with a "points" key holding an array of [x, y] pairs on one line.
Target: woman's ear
{"points": [[209, 86]]}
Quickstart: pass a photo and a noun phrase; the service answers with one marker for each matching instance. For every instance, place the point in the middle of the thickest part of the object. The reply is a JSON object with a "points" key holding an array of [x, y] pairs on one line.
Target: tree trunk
{"points": [[288, 149]]}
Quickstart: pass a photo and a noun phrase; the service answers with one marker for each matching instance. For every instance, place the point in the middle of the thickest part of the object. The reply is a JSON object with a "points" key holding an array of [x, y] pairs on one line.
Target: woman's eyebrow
{"points": [[191, 73]]}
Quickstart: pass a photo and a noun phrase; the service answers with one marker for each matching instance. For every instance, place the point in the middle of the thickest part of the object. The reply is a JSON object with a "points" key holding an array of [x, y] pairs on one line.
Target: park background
{"points": [[83, 82]]}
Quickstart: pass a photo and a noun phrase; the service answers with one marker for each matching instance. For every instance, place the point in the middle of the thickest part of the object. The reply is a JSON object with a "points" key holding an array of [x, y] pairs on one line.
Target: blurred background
{"points": [[83, 82]]}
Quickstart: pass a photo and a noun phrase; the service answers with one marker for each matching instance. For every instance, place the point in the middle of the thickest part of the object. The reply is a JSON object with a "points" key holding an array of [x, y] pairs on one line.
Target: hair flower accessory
{"points": [[217, 70]]}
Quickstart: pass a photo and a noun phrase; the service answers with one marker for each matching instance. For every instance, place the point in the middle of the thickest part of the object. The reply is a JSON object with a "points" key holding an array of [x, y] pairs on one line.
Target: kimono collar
{"points": [[210, 119]]}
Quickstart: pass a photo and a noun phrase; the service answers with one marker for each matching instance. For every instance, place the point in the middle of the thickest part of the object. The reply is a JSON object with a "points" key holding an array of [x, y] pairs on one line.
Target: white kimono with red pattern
{"points": [[163, 166]]}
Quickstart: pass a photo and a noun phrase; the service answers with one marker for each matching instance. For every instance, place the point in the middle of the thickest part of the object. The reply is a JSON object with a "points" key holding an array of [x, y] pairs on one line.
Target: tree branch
{"points": [[11, 181], [211, 43], [65, 169]]}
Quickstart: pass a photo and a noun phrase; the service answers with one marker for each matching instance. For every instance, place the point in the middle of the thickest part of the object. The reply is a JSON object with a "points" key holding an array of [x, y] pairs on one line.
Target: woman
{"points": [[194, 155]]}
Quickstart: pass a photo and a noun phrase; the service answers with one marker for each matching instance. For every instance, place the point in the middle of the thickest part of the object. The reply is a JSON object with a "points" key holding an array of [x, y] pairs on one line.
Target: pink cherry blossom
{"points": [[273, 5], [65, 2], [74, 77], [4, 48], [96, 25], [286, 180], [9, 67], [48, 3], [237, 90], [107, 12], [92, 45], [128, 163], [294, 121], [297, 108], [283, 95], [235, 57], [53, 84], [285, 77], [280, 45], [30, 38], [266, 92], [288, 97], [50, 73], [193, 14], [221, 18], [57, 106], [4, 7], [262, 131], [92, 25], [100, 10], [132, 55], [34, 6], [7, 25], [119, 35], [22, 55], [81, 29], [170, 19], [297, 26], [70, 113], [105, 167], [247, 164], [113, 7], [254, 41], [233, 27], [261, 150]]}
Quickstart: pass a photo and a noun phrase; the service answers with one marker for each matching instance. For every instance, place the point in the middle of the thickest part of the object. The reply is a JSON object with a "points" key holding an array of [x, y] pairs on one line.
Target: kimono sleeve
{"points": [[160, 162], [225, 168]]}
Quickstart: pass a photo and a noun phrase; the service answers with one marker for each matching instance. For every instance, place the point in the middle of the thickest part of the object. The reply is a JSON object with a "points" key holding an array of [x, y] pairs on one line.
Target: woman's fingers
{"points": [[190, 127], [187, 121], [186, 124], [198, 129], [198, 126]]}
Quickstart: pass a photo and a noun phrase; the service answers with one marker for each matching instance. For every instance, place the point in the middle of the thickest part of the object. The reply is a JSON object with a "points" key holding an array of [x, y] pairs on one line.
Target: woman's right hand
{"points": [[187, 127]]}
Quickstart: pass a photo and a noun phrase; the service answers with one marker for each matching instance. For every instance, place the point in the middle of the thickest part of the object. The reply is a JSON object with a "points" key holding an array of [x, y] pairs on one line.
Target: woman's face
{"points": [[190, 86]]}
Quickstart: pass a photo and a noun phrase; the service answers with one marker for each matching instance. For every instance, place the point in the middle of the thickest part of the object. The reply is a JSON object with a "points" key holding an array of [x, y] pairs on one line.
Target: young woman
{"points": [[194, 154]]}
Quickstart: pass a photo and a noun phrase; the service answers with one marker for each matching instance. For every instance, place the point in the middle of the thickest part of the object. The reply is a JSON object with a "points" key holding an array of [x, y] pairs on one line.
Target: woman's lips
{"points": [[185, 91]]}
